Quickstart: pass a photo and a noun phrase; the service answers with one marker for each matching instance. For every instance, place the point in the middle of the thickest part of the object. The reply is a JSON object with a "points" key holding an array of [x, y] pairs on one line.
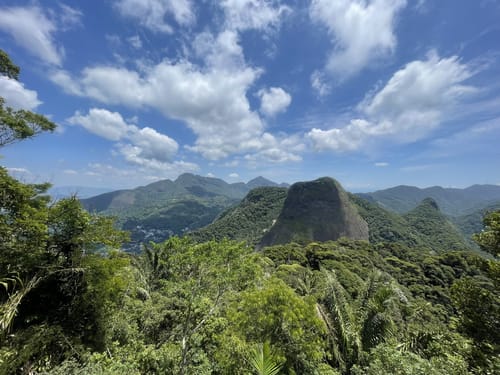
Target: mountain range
{"points": [[164, 208], [452, 201], [262, 212]]}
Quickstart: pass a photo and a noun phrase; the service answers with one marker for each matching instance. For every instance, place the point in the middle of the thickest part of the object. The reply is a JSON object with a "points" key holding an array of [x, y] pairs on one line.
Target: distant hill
{"points": [[164, 208], [317, 210], [386, 226], [261, 181], [434, 227], [249, 220], [453, 202]]}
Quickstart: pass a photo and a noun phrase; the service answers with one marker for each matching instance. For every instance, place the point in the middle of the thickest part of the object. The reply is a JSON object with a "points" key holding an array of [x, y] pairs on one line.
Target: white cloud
{"points": [[233, 175], [106, 124], [152, 13], [277, 149], [147, 147], [118, 176], [381, 164], [18, 170], [320, 84], [135, 41], [361, 31], [211, 99], [63, 79], [70, 172], [220, 52], [274, 100], [253, 14], [32, 30], [69, 17], [16, 95], [411, 105]]}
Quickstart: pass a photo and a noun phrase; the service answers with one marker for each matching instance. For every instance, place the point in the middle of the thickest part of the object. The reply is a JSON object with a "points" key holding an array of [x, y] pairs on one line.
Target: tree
{"points": [[16, 125], [489, 238], [54, 289]]}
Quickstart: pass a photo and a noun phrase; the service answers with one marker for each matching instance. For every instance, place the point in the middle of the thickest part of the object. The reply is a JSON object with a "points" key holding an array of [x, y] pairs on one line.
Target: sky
{"points": [[374, 93]]}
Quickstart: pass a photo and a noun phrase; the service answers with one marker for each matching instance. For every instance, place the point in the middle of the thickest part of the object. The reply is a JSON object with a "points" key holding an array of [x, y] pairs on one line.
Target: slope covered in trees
{"points": [[71, 303], [166, 208], [249, 220]]}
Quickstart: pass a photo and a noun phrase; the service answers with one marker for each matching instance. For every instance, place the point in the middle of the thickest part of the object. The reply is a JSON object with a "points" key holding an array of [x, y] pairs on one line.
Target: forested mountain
{"points": [[436, 230], [453, 202], [73, 302], [310, 207], [165, 208], [249, 220]]}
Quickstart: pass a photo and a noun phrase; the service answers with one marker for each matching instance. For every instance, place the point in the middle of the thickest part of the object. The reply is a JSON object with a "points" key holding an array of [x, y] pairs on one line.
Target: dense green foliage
{"points": [[166, 208], [489, 238], [435, 229], [70, 304], [249, 220], [219, 307]]}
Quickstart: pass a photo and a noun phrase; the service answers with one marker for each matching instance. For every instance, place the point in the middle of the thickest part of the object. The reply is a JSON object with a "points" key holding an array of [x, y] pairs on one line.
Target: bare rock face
{"points": [[318, 210]]}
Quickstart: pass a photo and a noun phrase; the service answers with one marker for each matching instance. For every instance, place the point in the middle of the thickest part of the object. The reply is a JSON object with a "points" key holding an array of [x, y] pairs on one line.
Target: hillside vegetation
{"points": [[166, 208], [72, 302]]}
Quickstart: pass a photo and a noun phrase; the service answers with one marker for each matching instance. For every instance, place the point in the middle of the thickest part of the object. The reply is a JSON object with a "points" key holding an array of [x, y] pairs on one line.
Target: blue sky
{"points": [[374, 93]]}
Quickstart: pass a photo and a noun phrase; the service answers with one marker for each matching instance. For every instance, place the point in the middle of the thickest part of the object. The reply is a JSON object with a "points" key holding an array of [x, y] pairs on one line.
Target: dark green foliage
{"points": [[7, 67], [16, 125], [68, 306], [249, 220], [386, 226], [489, 238], [437, 232], [166, 208]]}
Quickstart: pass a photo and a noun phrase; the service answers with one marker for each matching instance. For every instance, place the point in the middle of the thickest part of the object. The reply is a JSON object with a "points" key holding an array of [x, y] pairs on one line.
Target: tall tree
{"points": [[20, 124]]}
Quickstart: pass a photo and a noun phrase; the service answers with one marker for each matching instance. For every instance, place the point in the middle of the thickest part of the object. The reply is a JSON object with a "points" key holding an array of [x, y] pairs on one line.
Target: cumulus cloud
{"points": [[361, 31], [253, 14], [210, 96], [16, 95], [31, 29], [274, 100], [411, 104], [146, 147], [106, 124], [211, 99], [63, 79], [152, 14]]}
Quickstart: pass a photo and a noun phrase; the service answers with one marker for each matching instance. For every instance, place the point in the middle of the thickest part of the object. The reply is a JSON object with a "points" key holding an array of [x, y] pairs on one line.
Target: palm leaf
{"points": [[265, 361]]}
